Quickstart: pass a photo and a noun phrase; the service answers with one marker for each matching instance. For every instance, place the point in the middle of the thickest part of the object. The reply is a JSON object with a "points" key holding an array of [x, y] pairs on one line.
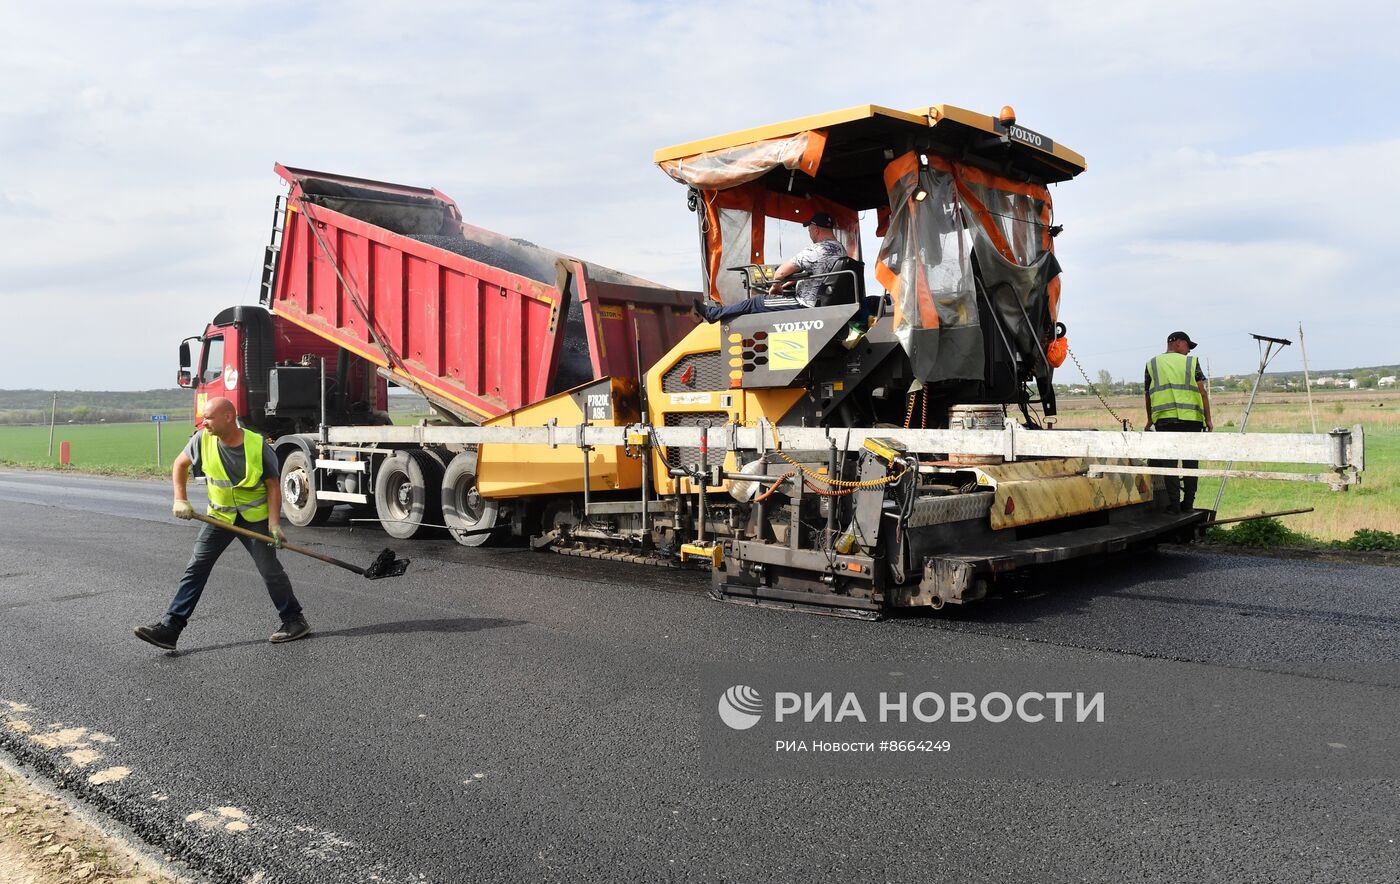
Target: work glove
{"points": [[182, 510], [278, 538]]}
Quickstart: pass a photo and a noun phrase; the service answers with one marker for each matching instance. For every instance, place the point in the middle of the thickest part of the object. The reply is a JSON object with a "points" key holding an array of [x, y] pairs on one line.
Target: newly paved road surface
{"points": [[502, 715]]}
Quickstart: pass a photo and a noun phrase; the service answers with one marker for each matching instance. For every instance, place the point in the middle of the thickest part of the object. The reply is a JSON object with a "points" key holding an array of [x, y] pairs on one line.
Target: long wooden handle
{"points": [[1259, 516], [287, 546]]}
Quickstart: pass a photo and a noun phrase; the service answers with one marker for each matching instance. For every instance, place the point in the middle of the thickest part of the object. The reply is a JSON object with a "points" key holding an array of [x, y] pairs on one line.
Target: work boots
{"points": [[158, 634], [290, 631]]}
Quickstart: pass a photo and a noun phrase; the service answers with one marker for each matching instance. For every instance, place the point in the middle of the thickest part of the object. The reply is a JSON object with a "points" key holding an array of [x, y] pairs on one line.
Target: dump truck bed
{"points": [[479, 322]]}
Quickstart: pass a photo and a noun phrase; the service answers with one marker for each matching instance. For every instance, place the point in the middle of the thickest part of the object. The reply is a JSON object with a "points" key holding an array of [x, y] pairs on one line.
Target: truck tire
{"points": [[463, 508], [299, 503], [406, 494]]}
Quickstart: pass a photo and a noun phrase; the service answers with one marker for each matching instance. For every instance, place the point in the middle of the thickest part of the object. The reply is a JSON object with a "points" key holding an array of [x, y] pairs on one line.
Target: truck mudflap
{"points": [[954, 577]]}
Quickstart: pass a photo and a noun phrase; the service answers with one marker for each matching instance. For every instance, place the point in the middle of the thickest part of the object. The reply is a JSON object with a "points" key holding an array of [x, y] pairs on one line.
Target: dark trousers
{"points": [[760, 304], [1175, 493], [756, 304], [208, 546]]}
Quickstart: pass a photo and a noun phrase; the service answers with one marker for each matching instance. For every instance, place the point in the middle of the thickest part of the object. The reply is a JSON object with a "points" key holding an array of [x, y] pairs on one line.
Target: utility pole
{"points": [[1304, 347], [53, 414]]}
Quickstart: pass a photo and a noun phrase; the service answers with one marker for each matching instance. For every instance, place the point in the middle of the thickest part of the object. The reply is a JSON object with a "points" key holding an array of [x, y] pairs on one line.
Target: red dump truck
{"points": [[367, 283]]}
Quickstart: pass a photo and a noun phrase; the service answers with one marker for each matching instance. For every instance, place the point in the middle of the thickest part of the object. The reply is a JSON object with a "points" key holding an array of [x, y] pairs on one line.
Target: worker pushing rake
{"points": [[247, 507]]}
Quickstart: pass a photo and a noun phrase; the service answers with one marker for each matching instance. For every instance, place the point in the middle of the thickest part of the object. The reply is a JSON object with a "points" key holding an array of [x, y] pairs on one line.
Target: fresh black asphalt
{"points": [[503, 715]]}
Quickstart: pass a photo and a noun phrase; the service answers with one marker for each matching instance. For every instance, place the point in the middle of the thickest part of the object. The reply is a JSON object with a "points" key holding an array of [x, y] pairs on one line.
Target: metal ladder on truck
{"points": [[274, 249]]}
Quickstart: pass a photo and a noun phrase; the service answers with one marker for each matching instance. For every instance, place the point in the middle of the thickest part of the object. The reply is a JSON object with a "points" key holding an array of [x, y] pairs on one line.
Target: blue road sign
{"points": [[160, 417]]}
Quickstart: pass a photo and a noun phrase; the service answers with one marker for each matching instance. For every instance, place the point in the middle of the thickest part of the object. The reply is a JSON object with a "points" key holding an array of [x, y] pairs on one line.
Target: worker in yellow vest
{"points": [[1177, 401], [244, 489]]}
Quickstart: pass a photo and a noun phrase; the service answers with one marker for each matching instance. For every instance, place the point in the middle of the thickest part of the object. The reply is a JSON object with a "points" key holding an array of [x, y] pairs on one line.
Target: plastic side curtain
{"points": [[1015, 218], [1019, 273], [925, 263], [732, 166]]}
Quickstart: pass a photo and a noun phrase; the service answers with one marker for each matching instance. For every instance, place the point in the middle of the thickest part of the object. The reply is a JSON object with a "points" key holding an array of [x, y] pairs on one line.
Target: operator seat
{"points": [[844, 283]]}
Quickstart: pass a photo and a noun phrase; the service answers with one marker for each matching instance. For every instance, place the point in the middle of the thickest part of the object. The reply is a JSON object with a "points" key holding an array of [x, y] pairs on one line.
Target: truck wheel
{"points": [[463, 508], [406, 494], [299, 503]]}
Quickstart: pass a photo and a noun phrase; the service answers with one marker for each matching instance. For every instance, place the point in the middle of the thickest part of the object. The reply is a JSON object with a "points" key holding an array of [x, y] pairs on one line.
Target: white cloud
{"points": [[136, 145], [1227, 245]]}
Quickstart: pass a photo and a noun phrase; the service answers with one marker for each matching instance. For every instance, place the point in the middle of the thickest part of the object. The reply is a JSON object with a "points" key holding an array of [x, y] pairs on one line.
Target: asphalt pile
{"points": [[575, 367], [539, 268]]}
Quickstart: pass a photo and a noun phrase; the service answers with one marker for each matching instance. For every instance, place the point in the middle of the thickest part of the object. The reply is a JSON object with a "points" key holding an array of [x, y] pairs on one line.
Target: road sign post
{"points": [[53, 418], [159, 420]]}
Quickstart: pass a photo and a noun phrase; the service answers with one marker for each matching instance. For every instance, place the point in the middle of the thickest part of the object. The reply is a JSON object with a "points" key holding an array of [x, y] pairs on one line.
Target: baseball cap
{"points": [[1182, 336], [820, 219]]}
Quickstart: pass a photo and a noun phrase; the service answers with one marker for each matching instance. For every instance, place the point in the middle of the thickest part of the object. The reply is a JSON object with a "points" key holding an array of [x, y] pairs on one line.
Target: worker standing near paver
{"points": [[252, 500], [1177, 401]]}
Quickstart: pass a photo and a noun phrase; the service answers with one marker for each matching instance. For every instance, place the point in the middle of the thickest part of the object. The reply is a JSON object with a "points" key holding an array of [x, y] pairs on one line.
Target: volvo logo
{"points": [[804, 325], [1027, 136]]}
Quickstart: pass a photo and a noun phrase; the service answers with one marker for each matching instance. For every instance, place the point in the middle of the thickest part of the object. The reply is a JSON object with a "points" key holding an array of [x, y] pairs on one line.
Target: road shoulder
{"points": [[46, 840]]}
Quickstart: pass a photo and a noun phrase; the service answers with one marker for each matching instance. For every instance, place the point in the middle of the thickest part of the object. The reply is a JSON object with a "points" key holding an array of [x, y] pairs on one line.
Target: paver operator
{"points": [[252, 500], [1177, 401], [816, 259]]}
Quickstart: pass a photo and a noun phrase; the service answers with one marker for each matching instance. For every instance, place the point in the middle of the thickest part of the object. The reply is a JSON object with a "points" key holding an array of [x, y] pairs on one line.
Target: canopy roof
{"points": [[860, 141]]}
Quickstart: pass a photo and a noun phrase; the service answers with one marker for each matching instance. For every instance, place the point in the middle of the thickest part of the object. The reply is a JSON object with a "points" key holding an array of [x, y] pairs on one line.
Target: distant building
{"points": [[1353, 384], [1387, 381]]}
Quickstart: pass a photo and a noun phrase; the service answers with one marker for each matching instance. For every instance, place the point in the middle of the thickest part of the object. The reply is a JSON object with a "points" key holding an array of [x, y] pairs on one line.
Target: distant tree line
{"points": [[1273, 382], [83, 414], [19, 407], [157, 401]]}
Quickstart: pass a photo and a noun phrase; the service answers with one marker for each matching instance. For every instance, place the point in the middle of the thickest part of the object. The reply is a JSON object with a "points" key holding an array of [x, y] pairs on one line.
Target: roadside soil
{"points": [[43, 841]]}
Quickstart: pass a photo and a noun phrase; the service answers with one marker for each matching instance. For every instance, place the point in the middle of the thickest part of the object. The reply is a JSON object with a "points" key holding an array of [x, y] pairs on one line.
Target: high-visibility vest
{"points": [[229, 499], [1172, 389]]}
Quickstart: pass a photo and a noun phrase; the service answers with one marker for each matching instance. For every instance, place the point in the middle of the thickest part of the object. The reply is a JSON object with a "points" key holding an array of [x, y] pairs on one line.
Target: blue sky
{"points": [[1241, 157]]}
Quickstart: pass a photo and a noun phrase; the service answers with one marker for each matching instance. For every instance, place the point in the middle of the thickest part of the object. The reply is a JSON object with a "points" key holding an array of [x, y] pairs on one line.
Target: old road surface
{"points": [[505, 715]]}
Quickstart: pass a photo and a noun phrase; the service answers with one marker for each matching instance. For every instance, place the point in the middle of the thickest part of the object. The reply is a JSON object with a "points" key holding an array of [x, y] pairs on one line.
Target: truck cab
{"points": [[272, 371]]}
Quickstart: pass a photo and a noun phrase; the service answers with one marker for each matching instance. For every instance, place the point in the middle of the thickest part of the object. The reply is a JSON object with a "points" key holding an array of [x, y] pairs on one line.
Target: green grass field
{"points": [[1374, 504], [129, 449]]}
